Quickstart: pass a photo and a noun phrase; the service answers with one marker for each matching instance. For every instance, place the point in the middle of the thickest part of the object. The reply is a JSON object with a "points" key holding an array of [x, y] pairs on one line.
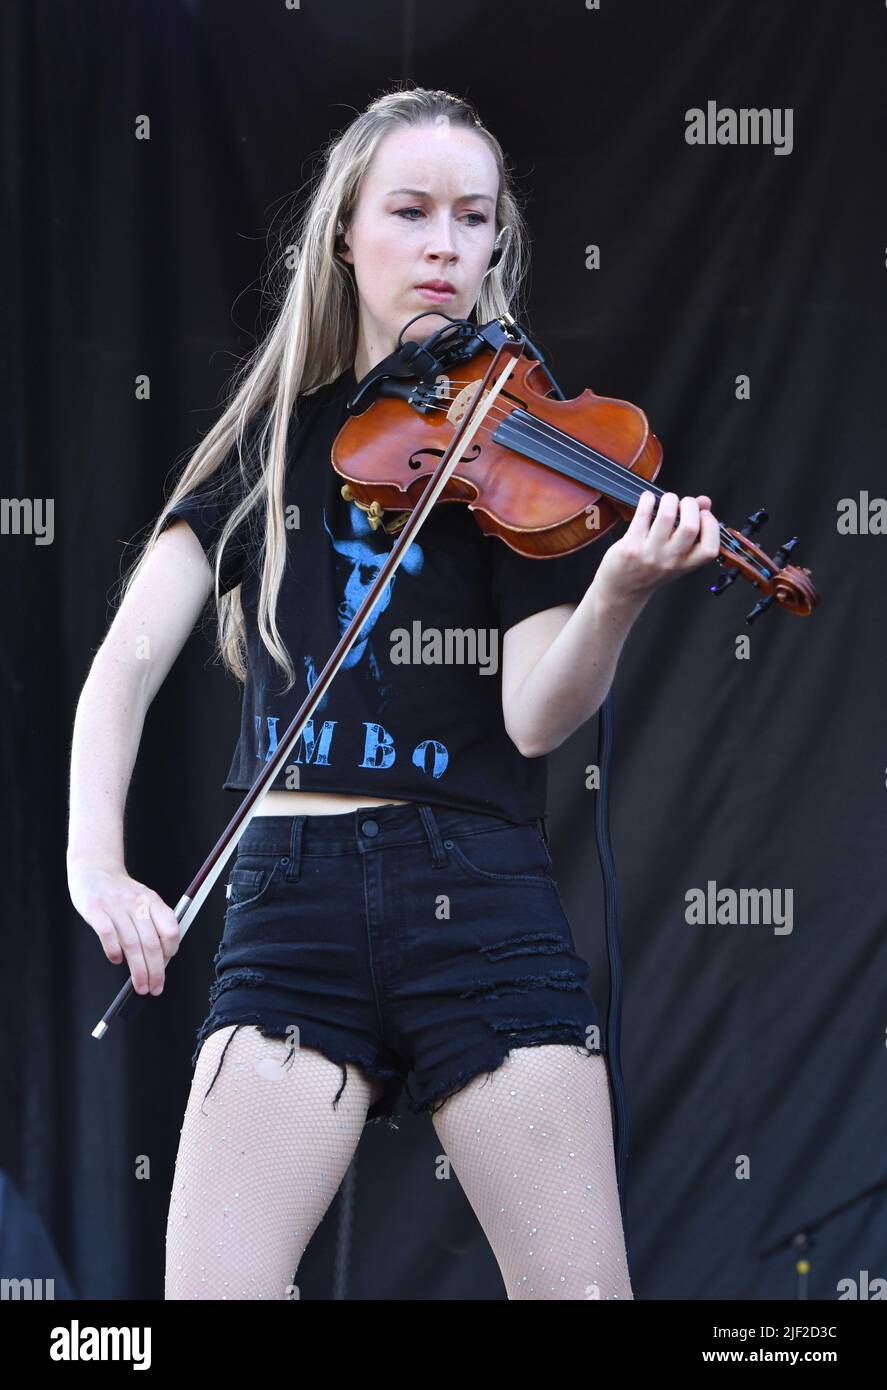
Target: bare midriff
{"points": [[280, 803]]}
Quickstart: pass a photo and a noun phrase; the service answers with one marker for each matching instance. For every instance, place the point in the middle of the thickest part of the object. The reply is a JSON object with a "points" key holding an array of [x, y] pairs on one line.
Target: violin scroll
{"points": [[787, 585]]}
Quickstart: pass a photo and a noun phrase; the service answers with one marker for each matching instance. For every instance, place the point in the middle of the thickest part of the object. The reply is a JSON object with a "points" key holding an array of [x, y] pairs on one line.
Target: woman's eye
{"points": [[404, 212]]}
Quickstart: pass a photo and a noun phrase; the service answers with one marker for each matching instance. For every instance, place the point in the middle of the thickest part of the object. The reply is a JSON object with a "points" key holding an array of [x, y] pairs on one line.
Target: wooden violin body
{"points": [[546, 475], [388, 454]]}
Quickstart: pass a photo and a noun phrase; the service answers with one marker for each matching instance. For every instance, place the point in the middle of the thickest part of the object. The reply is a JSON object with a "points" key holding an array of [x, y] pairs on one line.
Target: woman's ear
{"points": [[343, 250]]}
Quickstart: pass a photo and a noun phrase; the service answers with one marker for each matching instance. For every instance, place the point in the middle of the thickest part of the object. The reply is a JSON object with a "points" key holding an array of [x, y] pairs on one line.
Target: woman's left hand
{"points": [[654, 551]]}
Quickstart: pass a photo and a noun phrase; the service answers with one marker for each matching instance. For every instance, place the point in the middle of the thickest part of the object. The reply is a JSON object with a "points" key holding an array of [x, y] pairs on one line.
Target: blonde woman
{"points": [[393, 930]]}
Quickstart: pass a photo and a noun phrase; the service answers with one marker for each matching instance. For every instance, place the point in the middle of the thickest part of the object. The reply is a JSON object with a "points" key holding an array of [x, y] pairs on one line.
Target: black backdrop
{"points": [[144, 257]]}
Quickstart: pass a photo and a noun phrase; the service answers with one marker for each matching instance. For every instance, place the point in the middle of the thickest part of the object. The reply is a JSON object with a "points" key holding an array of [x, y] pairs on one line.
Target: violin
{"points": [[546, 475], [473, 415]]}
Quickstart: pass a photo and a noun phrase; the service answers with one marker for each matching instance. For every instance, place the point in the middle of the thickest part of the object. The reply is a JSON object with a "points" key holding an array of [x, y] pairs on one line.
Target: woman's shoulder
{"points": [[341, 385]]}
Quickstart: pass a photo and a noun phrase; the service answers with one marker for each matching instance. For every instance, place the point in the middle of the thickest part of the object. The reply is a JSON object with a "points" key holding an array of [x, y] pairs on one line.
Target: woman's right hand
{"points": [[129, 919]]}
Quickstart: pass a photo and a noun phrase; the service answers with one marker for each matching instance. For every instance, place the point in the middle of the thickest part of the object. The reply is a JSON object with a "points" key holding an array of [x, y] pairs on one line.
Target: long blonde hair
{"points": [[312, 341]]}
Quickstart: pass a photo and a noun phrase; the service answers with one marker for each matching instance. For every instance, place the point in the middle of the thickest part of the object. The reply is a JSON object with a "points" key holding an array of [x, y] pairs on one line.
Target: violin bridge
{"points": [[459, 407]]}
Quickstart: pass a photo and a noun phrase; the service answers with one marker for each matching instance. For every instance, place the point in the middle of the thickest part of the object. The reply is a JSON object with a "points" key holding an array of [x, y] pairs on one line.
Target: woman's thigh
{"points": [[532, 1147], [261, 1155]]}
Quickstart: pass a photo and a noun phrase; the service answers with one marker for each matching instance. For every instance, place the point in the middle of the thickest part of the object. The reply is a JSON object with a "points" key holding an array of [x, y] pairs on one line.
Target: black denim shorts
{"points": [[412, 940]]}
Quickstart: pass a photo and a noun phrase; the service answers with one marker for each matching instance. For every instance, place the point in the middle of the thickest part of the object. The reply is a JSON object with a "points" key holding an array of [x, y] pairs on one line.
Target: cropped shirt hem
{"points": [[432, 798]]}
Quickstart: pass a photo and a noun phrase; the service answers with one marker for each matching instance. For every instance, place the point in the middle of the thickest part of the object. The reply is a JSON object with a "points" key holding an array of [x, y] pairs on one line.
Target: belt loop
{"points": [[543, 827], [438, 853], [294, 867]]}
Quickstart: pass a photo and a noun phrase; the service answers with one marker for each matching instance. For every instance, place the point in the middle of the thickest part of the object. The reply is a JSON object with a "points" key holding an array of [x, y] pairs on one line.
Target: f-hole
{"points": [[421, 456]]}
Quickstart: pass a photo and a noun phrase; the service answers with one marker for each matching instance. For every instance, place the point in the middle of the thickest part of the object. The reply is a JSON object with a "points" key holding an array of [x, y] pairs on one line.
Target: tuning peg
{"points": [[723, 583], [755, 522], [759, 608], [784, 551]]}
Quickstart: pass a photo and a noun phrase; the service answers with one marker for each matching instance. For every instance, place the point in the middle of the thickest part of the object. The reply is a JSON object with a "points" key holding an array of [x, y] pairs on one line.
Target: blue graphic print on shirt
{"points": [[358, 563], [362, 564]]}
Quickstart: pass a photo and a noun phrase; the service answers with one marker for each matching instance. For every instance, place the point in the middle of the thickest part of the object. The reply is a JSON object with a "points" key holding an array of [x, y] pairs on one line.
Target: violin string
{"points": [[605, 468]]}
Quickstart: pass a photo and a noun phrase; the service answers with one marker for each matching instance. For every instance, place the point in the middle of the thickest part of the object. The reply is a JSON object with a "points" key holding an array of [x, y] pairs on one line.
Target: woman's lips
{"points": [[437, 296]]}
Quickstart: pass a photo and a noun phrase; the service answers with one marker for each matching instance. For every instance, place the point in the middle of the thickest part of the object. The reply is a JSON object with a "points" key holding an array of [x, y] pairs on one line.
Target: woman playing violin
{"points": [[393, 930]]}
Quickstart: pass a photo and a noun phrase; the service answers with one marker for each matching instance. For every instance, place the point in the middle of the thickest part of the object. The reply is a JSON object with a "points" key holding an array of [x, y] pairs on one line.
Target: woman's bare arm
{"points": [[147, 634]]}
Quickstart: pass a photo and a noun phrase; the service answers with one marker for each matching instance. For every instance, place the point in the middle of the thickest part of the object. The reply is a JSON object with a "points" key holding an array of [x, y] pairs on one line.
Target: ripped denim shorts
{"points": [[415, 941]]}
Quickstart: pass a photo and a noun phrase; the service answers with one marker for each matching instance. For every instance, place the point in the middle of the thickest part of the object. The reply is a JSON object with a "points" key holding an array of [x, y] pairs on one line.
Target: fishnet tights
{"points": [[259, 1162], [261, 1158], [532, 1148]]}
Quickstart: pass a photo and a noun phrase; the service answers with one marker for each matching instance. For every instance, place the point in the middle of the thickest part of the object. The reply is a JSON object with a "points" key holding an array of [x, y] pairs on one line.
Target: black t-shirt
{"points": [[390, 725]]}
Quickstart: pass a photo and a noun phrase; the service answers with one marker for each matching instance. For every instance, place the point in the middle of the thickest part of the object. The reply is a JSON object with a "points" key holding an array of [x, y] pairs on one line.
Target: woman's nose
{"points": [[442, 241]]}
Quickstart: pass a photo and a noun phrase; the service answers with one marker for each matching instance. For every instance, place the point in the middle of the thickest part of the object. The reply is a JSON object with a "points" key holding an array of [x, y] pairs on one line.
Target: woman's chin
{"points": [[432, 319]]}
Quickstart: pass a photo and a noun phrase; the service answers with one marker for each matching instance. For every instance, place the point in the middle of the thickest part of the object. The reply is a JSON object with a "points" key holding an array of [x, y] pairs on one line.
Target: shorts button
{"points": [[370, 827]]}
